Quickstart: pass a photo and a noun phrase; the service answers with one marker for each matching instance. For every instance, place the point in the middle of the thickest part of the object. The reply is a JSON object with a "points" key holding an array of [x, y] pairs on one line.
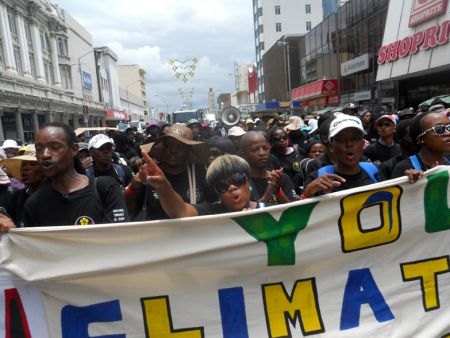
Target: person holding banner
{"points": [[346, 137], [71, 198], [431, 132], [227, 174]]}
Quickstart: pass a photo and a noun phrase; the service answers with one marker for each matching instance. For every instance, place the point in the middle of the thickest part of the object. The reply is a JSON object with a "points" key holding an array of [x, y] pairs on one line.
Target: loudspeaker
{"points": [[230, 116]]}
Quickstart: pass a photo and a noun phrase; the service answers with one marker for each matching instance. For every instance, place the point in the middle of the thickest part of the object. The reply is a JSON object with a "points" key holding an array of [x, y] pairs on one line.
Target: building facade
{"points": [[241, 98], [272, 19], [415, 51], [40, 75], [133, 91], [340, 62]]}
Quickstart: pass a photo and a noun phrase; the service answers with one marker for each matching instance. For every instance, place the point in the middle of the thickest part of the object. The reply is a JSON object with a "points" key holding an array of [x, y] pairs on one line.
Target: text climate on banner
{"points": [[356, 263]]}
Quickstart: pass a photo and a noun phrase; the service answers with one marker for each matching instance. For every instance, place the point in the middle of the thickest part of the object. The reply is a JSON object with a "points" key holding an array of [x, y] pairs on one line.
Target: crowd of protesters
{"points": [[178, 170]]}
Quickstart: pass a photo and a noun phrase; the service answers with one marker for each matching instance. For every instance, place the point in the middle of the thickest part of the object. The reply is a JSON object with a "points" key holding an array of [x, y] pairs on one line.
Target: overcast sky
{"points": [[150, 32]]}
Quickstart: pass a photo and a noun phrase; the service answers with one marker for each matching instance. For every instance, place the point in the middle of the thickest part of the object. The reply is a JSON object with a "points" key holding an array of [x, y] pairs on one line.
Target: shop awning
{"points": [[315, 89]]}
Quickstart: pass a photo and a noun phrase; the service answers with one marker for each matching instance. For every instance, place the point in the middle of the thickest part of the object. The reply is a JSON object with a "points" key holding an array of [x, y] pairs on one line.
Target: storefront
{"points": [[416, 49], [113, 117], [317, 95]]}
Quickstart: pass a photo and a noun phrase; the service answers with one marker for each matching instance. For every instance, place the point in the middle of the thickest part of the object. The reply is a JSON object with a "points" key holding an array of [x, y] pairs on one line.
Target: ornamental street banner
{"points": [[366, 262]]}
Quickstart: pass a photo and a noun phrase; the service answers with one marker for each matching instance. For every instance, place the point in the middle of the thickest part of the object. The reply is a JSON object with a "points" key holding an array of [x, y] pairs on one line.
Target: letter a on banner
{"points": [[280, 236], [158, 320], [301, 305], [353, 235], [437, 212], [362, 289]]}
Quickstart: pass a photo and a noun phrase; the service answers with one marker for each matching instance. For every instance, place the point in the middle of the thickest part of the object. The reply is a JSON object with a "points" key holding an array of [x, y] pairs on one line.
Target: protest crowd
{"points": [[193, 169]]}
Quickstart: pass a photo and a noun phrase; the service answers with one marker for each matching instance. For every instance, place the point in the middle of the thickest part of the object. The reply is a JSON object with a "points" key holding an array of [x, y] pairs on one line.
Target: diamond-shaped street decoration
{"points": [[329, 85]]}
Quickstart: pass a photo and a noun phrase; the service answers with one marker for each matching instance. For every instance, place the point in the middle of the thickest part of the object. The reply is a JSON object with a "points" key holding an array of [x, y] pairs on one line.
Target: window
{"points": [[278, 27], [260, 11], [308, 9], [262, 45], [277, 10], [32, 66], [18, 61], [261, 29], [66, 79], [308, 25], [62, 47], [41, 34], [12, 22], [28, 32]]}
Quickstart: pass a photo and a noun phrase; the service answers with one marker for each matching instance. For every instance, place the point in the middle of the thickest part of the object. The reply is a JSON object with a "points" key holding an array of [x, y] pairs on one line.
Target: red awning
{"points": [[315, 89], [116, 115]]}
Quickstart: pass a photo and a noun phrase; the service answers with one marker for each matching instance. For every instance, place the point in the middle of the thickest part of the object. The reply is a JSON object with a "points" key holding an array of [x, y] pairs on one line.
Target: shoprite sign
{"points": [[424, 10], [430, 37]]}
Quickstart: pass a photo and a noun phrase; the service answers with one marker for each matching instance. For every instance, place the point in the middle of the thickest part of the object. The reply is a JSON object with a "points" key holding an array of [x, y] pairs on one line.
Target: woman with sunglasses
{"points": [[227, 174], [431, 132], [288, 157]]}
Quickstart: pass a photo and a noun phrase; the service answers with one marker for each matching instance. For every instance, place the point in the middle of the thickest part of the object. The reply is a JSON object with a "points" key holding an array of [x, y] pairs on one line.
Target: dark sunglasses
{"points": [[438, 130], [221, 186]]}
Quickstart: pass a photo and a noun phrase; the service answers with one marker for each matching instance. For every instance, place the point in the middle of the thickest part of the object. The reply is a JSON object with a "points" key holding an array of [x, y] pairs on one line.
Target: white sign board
{"points": [[355, 65]]}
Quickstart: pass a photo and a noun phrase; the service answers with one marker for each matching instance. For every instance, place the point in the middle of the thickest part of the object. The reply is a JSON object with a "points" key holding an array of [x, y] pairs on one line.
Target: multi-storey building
{"points": [[47, 68], [133, 92], [241, 98], [273, 19]]}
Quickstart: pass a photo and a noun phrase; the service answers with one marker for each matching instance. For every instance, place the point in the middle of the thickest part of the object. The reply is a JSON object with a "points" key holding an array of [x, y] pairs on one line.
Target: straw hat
{"points": [[14, 164], [198, 153]]}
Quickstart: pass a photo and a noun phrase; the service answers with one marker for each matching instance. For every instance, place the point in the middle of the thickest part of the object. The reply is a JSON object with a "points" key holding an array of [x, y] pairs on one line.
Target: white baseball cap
{"points": [[98, 140], [10, 144], [344, 121]]}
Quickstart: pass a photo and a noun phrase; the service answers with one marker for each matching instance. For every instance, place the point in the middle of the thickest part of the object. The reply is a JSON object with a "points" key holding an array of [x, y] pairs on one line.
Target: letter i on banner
{"points": [[351, 225], [301, 305], [158, 320]]}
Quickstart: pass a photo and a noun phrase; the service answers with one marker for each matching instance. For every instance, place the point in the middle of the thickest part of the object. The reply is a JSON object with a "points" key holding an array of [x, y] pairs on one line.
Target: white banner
{"points": [[367, 262]]}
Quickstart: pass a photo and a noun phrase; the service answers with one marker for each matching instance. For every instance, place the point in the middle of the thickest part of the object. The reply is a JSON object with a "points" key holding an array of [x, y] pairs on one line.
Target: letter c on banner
{"points": [[353, 235]]}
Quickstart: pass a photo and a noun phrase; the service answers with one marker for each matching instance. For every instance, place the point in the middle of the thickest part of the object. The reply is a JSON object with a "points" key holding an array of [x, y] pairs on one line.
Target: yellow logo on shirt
{"points": [[84, 220]]}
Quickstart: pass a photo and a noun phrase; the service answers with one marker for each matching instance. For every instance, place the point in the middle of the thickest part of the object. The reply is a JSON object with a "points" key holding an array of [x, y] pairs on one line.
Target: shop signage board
{"points": [[355, 65], [362, 96], [87, 80], [416, 39]]}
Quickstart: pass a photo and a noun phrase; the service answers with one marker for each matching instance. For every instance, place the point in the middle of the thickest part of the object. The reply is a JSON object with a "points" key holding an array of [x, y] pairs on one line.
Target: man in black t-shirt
{"points": [[101, 150], [385, 147], [71, 198]]}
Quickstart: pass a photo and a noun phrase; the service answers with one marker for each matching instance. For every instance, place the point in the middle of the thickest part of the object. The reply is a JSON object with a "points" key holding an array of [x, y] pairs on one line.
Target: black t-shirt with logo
{"points": [[290, 162], [180, 184], [101, 201], [259, 186]]}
